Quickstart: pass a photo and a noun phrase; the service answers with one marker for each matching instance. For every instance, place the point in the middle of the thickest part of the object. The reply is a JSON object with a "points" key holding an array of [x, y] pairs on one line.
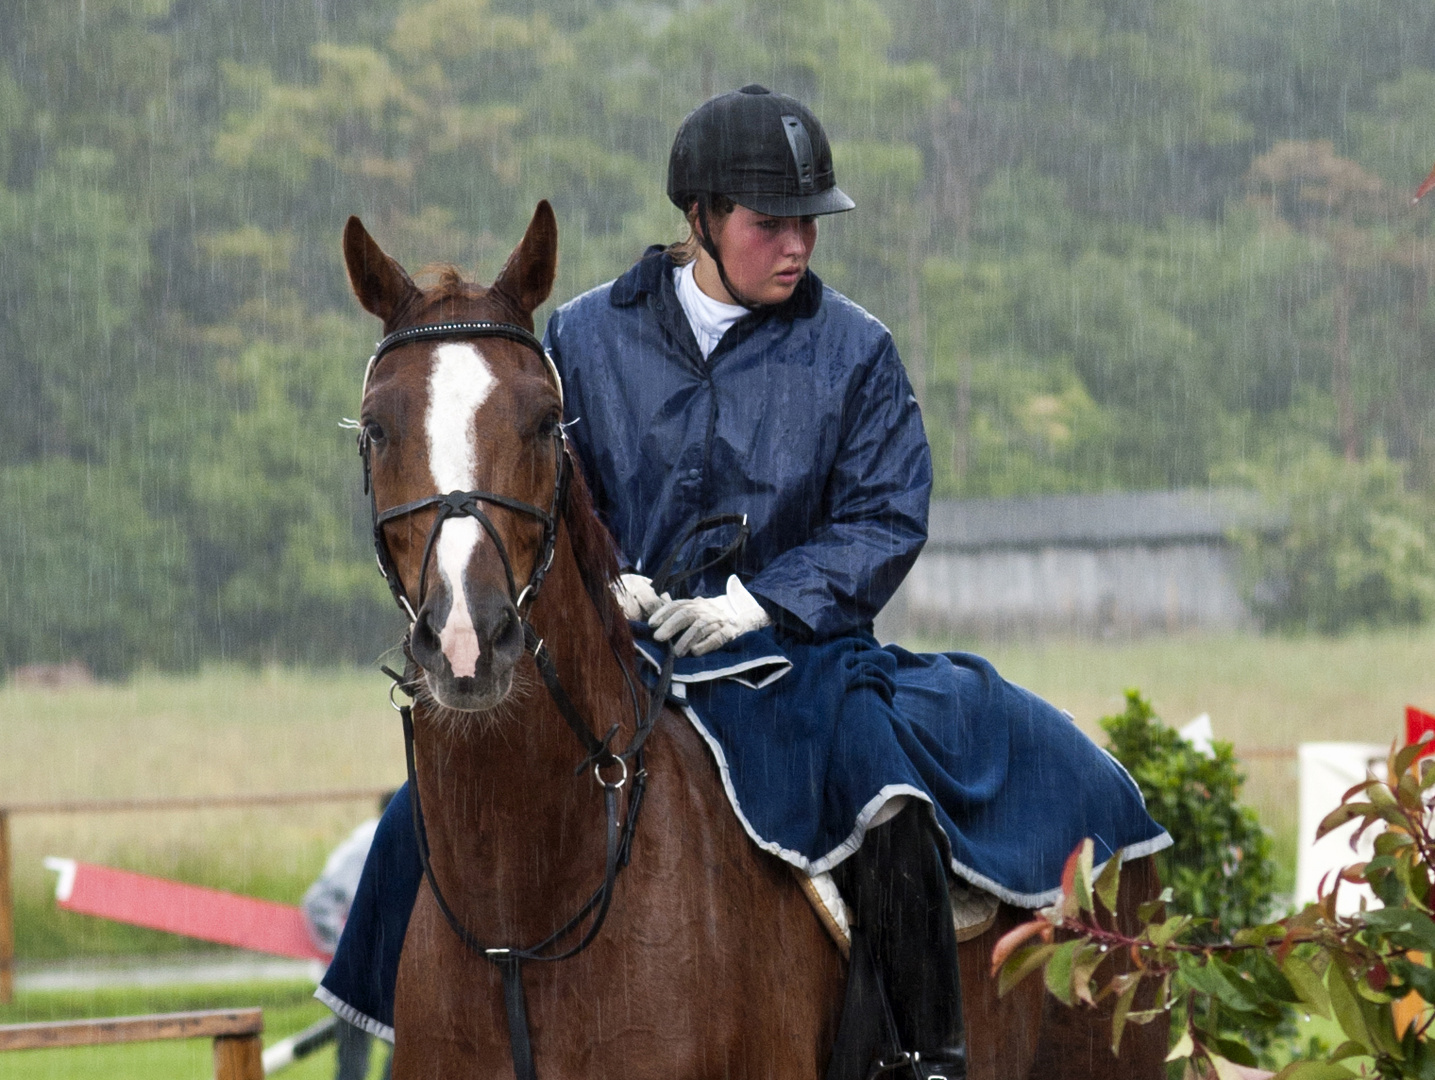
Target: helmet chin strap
{"points": [[705, 239]]}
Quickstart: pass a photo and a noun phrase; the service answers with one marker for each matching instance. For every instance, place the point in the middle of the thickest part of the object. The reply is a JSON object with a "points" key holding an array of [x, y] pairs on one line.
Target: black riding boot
{"points": [[896, 886]]}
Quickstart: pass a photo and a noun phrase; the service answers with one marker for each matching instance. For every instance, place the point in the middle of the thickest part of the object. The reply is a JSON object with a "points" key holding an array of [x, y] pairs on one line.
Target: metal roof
{"points": [[1106, 519]]}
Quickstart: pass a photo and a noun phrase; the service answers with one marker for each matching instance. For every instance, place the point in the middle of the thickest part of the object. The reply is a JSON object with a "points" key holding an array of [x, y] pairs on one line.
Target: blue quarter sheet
{"points": [[810, 756]]}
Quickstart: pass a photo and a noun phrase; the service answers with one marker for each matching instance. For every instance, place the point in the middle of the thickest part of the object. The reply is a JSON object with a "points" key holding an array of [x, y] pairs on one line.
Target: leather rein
{"points": [[600, 757]]}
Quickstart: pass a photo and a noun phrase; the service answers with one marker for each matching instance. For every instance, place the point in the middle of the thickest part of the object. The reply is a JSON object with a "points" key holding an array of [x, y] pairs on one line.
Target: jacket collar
{"points": [[652, 275]]}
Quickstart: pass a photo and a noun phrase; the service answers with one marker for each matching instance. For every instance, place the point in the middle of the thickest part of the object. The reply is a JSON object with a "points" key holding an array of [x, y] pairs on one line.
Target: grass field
{"points": [[1261, 693], [236, 730], [225, 731]]}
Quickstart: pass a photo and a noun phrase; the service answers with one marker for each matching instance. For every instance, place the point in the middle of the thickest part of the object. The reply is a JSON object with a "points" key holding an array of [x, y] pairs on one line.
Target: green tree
{"points": [[71, 284], [1359, 550], [86, 572], [1090, 225], [277, 521]]}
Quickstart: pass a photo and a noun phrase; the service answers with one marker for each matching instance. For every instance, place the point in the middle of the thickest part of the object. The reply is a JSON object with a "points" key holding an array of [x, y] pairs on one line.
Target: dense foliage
{"points": [[1358, 550], [1369, 972], [1122, 243], [1220, 867]]}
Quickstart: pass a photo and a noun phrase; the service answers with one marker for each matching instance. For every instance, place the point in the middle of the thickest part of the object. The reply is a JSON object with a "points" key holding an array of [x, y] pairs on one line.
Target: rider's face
{"points": [[764, 256]]}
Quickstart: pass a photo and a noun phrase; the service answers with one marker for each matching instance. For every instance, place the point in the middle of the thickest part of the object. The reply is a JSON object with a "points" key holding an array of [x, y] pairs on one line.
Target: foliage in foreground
{"points": [[1220, 868], [1349, 968]]}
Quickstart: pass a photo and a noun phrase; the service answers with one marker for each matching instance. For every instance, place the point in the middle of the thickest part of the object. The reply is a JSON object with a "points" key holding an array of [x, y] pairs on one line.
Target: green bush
{"points": [[1220, 867], [1359, 549]]}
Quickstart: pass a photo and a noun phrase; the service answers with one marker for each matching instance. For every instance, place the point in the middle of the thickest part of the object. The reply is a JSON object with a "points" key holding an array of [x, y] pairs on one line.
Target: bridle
{"points": [[600, 756], [465, 503]]}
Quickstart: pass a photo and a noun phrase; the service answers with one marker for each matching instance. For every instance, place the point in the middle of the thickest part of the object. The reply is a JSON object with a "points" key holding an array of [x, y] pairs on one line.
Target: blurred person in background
{"points": [[326, 907]]}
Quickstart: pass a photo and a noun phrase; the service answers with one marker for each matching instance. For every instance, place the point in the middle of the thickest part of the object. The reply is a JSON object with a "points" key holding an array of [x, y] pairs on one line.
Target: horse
{"points": [[697, 955]]}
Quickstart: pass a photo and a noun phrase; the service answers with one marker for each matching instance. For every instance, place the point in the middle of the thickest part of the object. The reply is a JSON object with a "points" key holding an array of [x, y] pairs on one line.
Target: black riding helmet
{"points": [[762, 150]]}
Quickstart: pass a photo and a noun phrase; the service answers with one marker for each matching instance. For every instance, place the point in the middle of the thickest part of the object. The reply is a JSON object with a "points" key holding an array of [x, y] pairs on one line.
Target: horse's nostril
{"points": [[423, 632], [509, 628]]}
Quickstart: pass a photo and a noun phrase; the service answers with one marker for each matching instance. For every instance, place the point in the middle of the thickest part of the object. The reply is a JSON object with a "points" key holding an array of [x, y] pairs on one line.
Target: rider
{"points": [[720, 376], [795, 410]]}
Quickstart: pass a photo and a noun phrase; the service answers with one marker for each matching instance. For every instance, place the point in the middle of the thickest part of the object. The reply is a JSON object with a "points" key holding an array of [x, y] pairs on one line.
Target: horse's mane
{"points": [[597, 560]]}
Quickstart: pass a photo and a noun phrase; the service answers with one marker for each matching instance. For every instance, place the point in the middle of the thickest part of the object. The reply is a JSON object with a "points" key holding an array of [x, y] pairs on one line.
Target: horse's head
{"points": [[473, 417]]}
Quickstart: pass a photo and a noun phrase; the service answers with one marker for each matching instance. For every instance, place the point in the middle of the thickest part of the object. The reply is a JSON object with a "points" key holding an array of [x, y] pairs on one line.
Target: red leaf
{"points": [[1068, 874], [1012, 939], [1378, 977]]}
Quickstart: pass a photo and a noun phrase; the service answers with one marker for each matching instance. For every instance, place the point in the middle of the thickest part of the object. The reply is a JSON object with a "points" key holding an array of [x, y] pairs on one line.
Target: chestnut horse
{"points": [[711, 964]]}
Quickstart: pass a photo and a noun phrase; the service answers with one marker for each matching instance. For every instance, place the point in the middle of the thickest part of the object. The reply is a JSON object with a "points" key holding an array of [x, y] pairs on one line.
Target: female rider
{"points": [[720, 376]]}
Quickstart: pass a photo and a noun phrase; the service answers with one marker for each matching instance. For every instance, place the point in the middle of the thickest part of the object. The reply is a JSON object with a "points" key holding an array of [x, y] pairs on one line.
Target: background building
{"points": [[1120, 563]]}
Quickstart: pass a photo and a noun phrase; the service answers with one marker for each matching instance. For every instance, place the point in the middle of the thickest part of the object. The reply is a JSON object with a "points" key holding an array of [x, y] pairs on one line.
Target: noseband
{"points": [[618, 835]]}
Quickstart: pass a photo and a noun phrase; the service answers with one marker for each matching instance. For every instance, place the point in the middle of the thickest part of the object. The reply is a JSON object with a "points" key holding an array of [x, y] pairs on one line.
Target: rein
{"points": [[600, 757]]}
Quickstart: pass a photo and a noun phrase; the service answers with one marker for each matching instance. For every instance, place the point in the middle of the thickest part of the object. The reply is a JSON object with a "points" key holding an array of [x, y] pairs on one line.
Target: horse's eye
{"points": [[549, 425], [373, 431]]}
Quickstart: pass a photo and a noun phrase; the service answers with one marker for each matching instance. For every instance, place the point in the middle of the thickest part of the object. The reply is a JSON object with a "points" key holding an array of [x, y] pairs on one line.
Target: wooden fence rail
{"points": [[111, 806], [238, 1049]]}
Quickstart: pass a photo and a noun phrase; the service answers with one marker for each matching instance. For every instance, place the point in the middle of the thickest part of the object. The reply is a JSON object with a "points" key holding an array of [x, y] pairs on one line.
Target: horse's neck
{"points": [[514, 833]]}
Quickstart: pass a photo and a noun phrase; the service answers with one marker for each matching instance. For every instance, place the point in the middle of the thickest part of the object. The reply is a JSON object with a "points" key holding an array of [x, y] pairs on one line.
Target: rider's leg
{"points": [[896, 884], [352, 1056]]}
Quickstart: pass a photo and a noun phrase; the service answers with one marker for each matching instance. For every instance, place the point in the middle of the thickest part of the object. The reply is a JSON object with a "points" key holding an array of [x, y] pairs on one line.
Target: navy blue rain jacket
{"points": [[802, 418]]}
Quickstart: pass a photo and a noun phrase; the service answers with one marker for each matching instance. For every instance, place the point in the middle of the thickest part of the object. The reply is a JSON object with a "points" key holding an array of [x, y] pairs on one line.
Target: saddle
{"points": [[973, 910]]}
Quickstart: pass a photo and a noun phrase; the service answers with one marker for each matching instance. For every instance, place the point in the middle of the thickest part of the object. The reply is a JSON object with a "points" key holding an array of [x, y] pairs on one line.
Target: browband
{"points": [[480, 328]]}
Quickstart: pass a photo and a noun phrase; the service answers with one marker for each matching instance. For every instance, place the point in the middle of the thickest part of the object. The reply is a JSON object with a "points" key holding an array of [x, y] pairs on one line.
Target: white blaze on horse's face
{"points": [[459, 383]]}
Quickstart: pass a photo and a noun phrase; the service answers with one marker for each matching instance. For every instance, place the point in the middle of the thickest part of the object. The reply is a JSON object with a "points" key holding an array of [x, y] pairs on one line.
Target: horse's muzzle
{"points": [[468, 660]]}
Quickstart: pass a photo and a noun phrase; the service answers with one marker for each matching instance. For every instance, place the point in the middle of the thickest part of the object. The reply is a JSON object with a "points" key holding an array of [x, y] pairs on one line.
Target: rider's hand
{"points": [[635, 593], [708, 623]]}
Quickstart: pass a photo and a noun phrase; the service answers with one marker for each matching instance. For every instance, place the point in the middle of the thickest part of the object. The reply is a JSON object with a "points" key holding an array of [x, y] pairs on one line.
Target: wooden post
{"points": [[7, 915], [238, 1057]]}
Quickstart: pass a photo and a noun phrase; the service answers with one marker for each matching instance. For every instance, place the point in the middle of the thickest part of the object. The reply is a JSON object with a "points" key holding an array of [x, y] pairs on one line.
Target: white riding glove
{"points": [[635, 593], [708, 623]]}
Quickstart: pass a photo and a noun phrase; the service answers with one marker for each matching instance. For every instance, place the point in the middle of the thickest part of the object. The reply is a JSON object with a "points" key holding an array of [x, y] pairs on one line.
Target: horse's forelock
{"points": [[449, 296], [446, 278]]}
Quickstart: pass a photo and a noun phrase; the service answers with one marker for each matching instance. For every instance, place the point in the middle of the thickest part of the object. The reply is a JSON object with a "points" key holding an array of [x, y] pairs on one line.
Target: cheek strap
{"points": [[705, 239]]}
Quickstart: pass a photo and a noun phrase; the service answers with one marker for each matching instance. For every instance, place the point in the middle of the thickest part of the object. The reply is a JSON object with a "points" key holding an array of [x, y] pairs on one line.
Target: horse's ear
{"points": [[378, 281], [527, 278]]}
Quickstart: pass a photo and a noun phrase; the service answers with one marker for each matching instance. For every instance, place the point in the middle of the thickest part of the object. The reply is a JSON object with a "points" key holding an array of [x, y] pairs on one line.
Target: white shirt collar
{"points": [[709, 318]]}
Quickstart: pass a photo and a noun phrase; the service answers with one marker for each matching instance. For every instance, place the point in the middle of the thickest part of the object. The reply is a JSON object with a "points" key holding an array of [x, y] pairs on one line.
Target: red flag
{"points": [[1424, 188], [1419, 725]]}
